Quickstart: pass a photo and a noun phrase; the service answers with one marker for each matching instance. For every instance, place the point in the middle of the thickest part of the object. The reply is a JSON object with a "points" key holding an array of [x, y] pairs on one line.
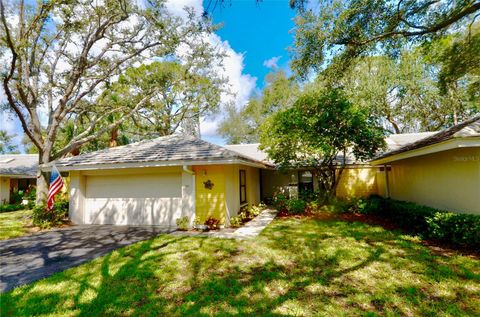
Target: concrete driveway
{"points": [[27, 259]]}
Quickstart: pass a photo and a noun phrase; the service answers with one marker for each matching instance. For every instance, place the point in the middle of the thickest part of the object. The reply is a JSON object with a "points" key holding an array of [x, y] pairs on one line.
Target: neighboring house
{"points": [[441, 171], [17, 172], [154, 182]]}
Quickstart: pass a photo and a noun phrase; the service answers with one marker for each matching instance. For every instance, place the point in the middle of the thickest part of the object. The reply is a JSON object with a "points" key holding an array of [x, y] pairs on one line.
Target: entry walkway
{"points": [[250, 230]]}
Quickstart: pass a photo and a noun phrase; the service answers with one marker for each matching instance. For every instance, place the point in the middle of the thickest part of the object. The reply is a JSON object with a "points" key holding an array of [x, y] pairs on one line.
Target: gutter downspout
{"points": [[192, 197], [387, 185], [186, 170]]}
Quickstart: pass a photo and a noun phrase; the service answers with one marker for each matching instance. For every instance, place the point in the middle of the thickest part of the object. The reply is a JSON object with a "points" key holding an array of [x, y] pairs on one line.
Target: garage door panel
{"points": [[118, 200], [160, 211], [134, 186]]}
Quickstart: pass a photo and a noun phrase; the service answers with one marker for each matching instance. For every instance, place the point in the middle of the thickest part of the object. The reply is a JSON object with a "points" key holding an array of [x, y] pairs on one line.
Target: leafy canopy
{"points": [[242, 126], [321, 127], [334, 32]]}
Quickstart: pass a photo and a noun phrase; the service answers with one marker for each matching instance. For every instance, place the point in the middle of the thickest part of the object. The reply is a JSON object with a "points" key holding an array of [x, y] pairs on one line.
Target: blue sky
{"points": [[258, 30], [258, 33]]}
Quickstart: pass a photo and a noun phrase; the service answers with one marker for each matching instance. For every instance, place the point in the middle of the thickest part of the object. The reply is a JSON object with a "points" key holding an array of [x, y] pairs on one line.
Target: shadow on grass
{"points": [[296, 267]]}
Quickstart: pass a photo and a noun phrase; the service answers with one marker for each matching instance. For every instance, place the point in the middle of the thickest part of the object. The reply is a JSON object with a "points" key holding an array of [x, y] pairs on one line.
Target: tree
{"points": [[319, 127], [404, 93], [60, 56], [336, 32], [242, 126], [6, 143]]}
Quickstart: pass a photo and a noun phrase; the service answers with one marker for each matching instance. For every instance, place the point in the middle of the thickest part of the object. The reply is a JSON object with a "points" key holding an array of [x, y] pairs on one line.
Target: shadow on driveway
{"points": [[27, 259]]}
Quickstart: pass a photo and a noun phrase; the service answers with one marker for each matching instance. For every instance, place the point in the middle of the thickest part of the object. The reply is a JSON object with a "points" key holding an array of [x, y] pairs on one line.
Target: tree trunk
{"points": [[42, 180]]}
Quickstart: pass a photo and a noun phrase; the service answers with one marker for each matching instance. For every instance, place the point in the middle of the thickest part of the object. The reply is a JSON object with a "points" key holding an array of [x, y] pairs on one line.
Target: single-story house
{"points": [[155, 182], [441, 171], [17, 172]]}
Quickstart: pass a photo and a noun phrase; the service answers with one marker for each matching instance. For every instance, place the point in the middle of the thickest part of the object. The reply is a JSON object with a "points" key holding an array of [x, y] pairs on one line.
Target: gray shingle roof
{"points": [[394, 142], [168, 148], [469, 128], [19, 165]]}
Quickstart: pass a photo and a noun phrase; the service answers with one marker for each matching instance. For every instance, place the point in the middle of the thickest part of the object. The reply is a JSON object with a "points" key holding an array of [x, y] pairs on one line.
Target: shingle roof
{"points": [[168, 148], [251, 150], [394, 142], [19, 165], [469, 128]]}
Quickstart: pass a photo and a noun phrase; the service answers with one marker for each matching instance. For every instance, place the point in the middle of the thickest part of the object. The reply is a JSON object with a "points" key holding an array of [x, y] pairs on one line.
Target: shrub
{"points": [[11, 207], [58, 215], [16, 197], [457, 228], [296, 206], [212, 223], [182, 223], [460, 229], [280, 202], [236, 222]]}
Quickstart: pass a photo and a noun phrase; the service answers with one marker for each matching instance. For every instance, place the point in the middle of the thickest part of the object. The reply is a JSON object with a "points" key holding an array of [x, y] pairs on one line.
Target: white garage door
{"points": [[153, 199]]}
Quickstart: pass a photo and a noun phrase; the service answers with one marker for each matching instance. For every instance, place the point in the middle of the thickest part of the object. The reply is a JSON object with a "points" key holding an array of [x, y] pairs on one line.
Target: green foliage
{"points": [[335, 32], [236, 221], [280, 201], [16, 196], [457, 228], [6, 143], [11, 207], [45, 219], [460, 229], [182, 223], [246, 214], [320, 126], [212, 223], [295, 267], [296, 206], [242, 126]]}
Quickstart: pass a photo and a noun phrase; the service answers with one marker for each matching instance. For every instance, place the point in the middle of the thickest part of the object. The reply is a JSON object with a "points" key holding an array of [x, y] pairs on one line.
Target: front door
{"points": [[210, 193]]}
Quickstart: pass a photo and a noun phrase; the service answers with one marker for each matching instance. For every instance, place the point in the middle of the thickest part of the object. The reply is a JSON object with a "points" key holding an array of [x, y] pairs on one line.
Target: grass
{"points": [[296, 267], [14, 223]]}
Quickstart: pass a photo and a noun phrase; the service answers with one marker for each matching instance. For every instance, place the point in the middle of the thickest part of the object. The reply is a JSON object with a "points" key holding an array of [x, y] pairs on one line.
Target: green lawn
{"points": [[296, 267], [14, 223]]}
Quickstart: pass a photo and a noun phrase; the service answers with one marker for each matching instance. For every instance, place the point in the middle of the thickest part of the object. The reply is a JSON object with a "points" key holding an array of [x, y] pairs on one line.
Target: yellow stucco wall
{"points": [[4, 190], [223, 200], [357, 182], [210, 202], [448, 180]]}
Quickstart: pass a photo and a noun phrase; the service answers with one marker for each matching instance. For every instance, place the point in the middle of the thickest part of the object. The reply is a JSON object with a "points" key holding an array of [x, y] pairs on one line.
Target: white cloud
{"points": [[241, 85], [177, 7], [272, 62]]}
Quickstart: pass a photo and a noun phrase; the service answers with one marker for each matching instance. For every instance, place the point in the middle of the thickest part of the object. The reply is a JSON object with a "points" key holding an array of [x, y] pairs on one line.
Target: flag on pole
{"points": [[56, 184]]}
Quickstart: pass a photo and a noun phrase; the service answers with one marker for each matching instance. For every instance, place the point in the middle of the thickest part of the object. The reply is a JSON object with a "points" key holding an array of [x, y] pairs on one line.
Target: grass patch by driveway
{"points": [[14, 223], [295, 267]]}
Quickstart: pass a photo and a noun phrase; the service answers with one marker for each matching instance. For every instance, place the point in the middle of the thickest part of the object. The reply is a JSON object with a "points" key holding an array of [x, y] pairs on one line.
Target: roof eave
{"points": [[449, 144], [84, 167]]}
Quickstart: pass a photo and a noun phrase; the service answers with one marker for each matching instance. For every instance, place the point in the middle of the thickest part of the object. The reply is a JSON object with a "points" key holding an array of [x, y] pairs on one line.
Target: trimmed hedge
{"points": [[14, 207], [460, 229]]}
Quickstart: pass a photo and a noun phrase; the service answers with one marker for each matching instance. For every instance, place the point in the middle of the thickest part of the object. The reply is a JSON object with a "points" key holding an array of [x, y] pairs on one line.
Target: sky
{"points": [[260, 33], [255, 36]]}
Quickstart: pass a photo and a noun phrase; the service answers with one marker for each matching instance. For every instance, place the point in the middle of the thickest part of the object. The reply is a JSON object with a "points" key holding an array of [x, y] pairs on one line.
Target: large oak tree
{"points": [[59, 56]]}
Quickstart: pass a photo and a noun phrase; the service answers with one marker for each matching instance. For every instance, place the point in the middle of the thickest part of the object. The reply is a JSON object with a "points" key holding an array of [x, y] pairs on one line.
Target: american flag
{"points": [[56, 184]]}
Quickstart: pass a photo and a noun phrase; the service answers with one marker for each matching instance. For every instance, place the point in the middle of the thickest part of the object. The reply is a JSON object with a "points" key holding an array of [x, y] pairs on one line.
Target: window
{"points": [[243, 187]]}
